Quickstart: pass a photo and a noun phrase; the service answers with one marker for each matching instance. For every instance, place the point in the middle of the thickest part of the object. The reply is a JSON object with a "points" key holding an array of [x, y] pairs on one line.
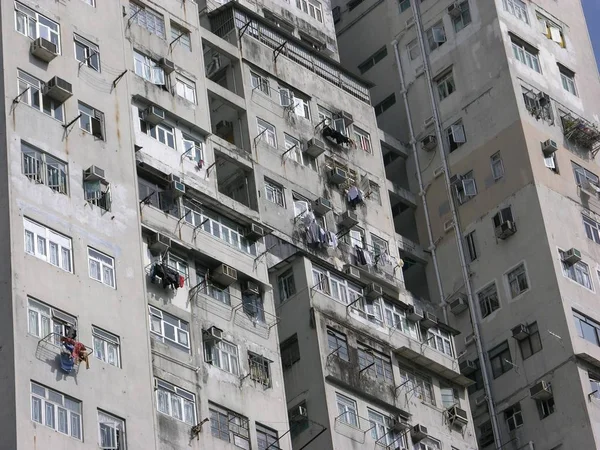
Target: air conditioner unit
{"points": [[541, 391], [43, 49], [251, 288], [177, 188], [414, 313], [94, 173], [459, 304], [321, 206], [469, 339], [520, 332], [481, 400], [428, 122], [337, 176], [506, 229], [429, 320], [348, 219], [167, 65], [153, 115], [572, 256], [429, 143], [410, 21], [549, 146], [298, 413], [315, 147], [467, 367], [58, 89], [399, 423], [347, 117], [454, 10], [215, 333], [458, 415], [373, 291], [352, 271], [159, 243], [255, 233], [224, 275], [418, 432]]}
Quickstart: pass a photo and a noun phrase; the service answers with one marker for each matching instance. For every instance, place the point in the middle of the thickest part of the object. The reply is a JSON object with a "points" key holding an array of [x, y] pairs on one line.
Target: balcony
{"points": [[406, 246], [404, 195], [581, 132]]}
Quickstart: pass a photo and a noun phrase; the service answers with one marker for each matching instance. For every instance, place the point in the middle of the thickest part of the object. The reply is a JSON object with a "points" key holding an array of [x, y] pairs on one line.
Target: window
{"points": [[428, 444], [91, 120], [87, 53], [362, 139], [462, 19], [450, 396], [259, 82], [287, 287], [382, 432], [436, 36], [43, 168], [292, 103], [420, 385], [274, 193], [477, 377], [587, 328], [337, 344], [471, 245], [404, 5], [413, 49], [374, 193], [48, 245], [162, 132], [290, 352], [192, 148], [229, 426], [185, 88], [33, 25], [504, 215], [440, 340], [375, 364], [148, 19], [44, 319], [517, 281], [395, 317], [517, 8], [175, 402], [347, 410], [578, 272], [181, 36], [169, 329], [551, 30], [500, 359], [30, 92], [266, 132], [592, 229], [97, 192], [456, 136], [385, 104], [497, 166], [148, 69], [532, 343], [583, 176], [55, 410], [513, 417], [111, 431], [445, 85], [259, 369], [101, 267], [298, 419], [90, 2], [465, 187], [311, 7], [266, 438], [545, 407], [372, 60], [300, 205], [568, 79], [107, 347], [297, 154], [488, 300], [222, 354], [486, 434], [339, 288], [379, 245], [526, 54], [594, 385]]}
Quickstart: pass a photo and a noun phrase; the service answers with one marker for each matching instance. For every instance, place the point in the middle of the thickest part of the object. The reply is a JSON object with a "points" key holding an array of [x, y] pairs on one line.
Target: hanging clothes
{"points": [[368, 257], [322, 237], [360, 256], [312, 234], [332, 239], [354, 196], [384, 259], [181, 281]]}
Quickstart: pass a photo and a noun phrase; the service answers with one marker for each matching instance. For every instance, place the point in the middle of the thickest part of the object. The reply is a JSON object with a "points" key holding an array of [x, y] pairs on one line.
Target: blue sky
{"points": [[592, 14]]}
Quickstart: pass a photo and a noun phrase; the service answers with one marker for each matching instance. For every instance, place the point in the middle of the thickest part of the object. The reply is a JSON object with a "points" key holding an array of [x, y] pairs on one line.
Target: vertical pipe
{"points": [[457, 229]]}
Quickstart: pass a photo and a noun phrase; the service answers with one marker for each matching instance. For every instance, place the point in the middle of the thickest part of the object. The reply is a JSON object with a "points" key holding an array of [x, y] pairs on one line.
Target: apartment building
{"points": [[500, 120]]}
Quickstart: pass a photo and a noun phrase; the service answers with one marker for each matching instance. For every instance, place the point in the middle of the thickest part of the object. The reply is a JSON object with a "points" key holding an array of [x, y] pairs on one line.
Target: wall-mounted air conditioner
{"points": [[224, 275], [176, 185], [43, 49], [321, 206], [506, 229], [352, 271], [373, 291], [167, 65], [93, 173], [418, 432], [214, 333], [414, 313], [429, 320], [520, 332], [315, 147], [458, 416], [255, 232], [428, 143], [458, 304], [541, 391], [153, 115], [454, 10], [571, 256], [58, 89], [348, 219], [549, 146], [159, 243], [298, 413], [467, 367], [337, 176], [251, 288]]}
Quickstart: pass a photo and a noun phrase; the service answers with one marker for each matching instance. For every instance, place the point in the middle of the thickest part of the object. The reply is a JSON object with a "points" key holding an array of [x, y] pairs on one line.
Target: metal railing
{"points": [[53, 175]]}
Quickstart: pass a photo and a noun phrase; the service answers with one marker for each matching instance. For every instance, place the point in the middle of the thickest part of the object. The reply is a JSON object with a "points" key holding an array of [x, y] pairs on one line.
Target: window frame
{"points": [[274, 193], [175, 394], [382, 432], [286, 285], [186, 36], [413, 50], [105, 339], [266, 438], [337, 344], [471, 246], [385, 104], [70, 417], [30, 88], [57, 321], [445, 84], [567, 78], [34, 230], [526, 54], [372, 60], [496, 162], [105, 262], [266, 132], [188, 88], [592, 229], [513, 417], [546, 407], [150, 70], [452, 133], [31, 14], [87, 114], [522, 289], [260, 82], [43, 168], [335, 286], [231, 425], [578, 272], [182, 327], [223, 354], [590, 326], [162, 132], [347, 410], [441, 340], [517, 8], [419, 384], [532, 342], [290, 347], [487, 303], [430, 35], [296, 153], [461, 22], [500, 359], [91, 52], [116, 427], [362, 139], [140, 15], [379, 364]]}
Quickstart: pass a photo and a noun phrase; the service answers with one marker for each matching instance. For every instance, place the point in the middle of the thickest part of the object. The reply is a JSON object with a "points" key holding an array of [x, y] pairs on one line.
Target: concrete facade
{"points": [[521, 73]]}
